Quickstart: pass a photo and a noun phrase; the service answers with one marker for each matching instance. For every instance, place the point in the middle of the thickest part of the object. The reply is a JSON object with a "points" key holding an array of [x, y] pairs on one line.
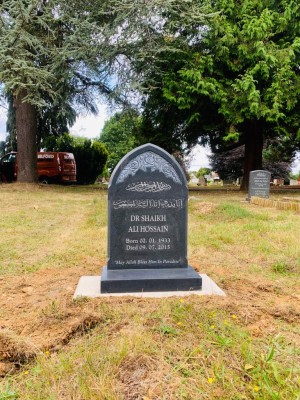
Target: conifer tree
{"points": [[50, 54]]}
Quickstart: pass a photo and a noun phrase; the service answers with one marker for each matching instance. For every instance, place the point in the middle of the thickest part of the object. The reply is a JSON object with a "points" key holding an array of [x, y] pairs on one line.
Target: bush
{"points": [[91, 157]]}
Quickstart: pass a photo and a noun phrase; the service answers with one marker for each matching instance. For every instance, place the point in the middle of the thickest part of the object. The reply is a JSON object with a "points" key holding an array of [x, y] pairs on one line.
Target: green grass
{"points": [[243, 346], [178, 351], [238, 231], [41, 227]]}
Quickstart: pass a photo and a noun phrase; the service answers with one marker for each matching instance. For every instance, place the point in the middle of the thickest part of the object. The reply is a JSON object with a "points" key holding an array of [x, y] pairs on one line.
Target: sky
{"points": [[2, 123], [90, 126], [87, 125]]}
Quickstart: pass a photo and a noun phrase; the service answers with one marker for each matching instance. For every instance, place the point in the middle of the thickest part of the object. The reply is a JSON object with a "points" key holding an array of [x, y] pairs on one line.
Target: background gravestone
{"points": [[259, 184], [147, 225]]}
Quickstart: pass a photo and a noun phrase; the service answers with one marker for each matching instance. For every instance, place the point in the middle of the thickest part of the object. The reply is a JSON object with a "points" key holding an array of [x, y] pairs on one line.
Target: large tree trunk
{"points": [[26, 127], [253, 151]]}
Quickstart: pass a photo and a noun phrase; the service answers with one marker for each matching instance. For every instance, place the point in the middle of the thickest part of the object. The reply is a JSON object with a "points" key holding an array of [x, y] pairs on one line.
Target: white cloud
{"points": [[90, 125], [296, 164], [199, 158], [2, 123]]}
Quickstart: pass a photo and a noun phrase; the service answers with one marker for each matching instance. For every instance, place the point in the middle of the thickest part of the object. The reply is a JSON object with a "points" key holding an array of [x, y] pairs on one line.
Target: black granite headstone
{"points": [[259, 184], [147, 225]]}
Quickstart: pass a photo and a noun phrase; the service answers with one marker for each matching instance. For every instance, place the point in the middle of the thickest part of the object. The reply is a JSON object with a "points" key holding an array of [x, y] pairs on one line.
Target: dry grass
{"points": [[51, 227], [244, 346], [287, 203]]}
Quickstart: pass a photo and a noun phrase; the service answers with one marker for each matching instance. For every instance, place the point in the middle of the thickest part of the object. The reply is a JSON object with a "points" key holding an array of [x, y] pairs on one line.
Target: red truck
{"points": [[53, 167]]}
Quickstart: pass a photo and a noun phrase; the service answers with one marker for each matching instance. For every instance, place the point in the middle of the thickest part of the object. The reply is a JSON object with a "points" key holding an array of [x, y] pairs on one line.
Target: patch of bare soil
{"points": [[204, 207], [38, 314]]}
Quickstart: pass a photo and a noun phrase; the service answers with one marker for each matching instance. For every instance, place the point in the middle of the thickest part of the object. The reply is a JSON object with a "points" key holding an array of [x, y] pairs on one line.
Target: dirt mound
{"points": [[205, 207], [15, 348]]}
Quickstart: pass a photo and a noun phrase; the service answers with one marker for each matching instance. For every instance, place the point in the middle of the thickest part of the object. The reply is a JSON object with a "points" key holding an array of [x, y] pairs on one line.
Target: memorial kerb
{"points": [[147, 225], [259, 184]]}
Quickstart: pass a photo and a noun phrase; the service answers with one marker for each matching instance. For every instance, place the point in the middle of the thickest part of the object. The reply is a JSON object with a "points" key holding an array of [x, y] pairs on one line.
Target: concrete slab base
{"points": [[89, 286]]}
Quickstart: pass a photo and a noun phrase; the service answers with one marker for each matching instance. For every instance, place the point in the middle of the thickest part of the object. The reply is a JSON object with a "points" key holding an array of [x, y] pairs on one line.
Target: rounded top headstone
{"points": [[148, 158], [147, 213]]}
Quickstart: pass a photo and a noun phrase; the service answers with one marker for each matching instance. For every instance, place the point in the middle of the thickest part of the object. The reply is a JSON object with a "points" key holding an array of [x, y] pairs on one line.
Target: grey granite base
{"points": [[89, 286]]}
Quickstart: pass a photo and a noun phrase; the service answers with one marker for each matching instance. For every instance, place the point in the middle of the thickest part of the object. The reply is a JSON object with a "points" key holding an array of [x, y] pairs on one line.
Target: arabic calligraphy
{"points": [[132, 204], [148, 187]]}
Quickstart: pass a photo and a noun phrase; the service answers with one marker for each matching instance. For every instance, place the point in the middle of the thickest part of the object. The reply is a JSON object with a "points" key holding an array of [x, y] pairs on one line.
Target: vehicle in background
{"points": [[53, 167]]}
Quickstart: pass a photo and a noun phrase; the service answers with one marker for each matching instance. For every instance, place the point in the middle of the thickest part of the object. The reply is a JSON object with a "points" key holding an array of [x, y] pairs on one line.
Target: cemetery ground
{"points": [[242, 346]]}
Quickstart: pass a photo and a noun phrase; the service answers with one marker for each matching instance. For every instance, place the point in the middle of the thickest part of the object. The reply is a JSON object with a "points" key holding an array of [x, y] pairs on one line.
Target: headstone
{"points": [[259, 184], [201, 181], [147, 225]]}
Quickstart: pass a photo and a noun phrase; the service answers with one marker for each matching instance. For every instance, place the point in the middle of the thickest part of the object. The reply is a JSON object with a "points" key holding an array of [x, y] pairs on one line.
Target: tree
{"points": [[244, 71], [55, 53], [52, 56], [152, 38], [295, 176], [90, 155], [203, 171], [2, 148], [51, 120], [11, 138], [229, 164], [121, 134]]}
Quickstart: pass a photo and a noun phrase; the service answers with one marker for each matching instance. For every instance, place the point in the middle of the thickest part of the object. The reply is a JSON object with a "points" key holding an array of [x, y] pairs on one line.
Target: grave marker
{"points": [[259, 184], [147, 225]]}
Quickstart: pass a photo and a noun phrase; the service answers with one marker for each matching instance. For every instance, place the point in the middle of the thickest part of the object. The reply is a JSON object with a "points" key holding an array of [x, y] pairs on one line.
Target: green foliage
{"points": [[90, 155], [167, 330], [246, 64], [25, 40], [2, 148], [54, 55], [43, 47], [281, 268], [203, 171], [234, 212], [240, 80], [120, 135], [8, 394], [295, 176], [155, 38]]}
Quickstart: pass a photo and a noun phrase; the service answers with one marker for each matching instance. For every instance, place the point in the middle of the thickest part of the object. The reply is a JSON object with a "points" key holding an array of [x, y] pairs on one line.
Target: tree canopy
{"points": [[219, 72], [230, 164], [244, 71], [203, 171], [121, 134], [52, 56]]}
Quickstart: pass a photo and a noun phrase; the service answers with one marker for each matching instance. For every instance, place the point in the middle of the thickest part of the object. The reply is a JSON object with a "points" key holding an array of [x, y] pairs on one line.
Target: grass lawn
{"points": [[242, 346]]}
